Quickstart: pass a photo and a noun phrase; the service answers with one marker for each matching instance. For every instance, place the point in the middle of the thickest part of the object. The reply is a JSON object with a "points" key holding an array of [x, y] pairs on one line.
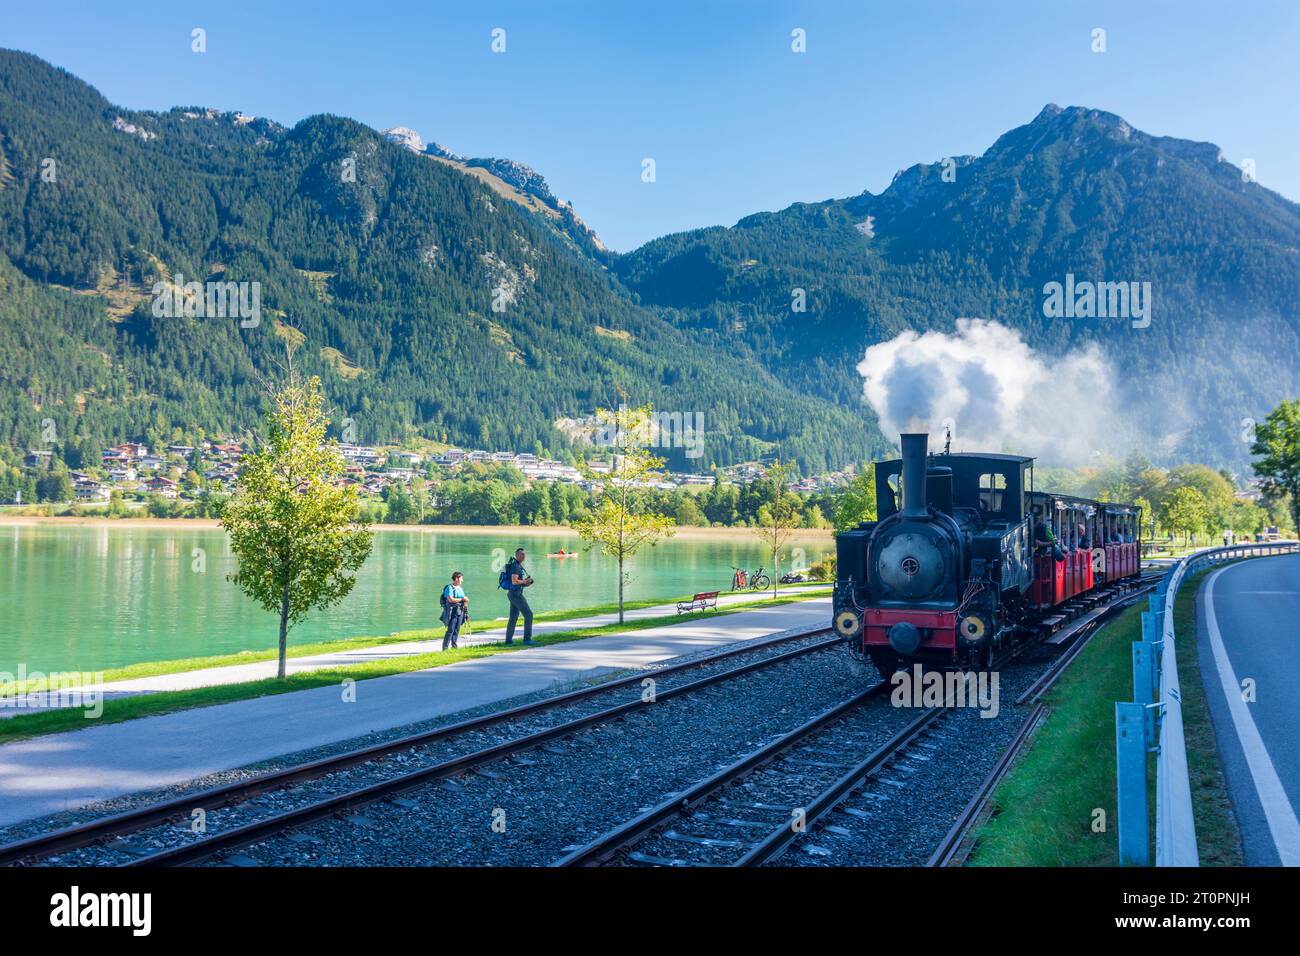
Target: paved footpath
{"points": [[261, 670], [1248, 628], [69, 770]]}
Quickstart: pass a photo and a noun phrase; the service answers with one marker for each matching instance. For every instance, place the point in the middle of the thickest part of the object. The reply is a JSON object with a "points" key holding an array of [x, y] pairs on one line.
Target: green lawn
{"points": [[31, 725], [1043, 811], [180, 666]]}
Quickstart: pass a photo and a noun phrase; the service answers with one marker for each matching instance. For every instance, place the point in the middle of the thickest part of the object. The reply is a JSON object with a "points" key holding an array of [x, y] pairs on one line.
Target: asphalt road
{"points": [[1248, 639]]}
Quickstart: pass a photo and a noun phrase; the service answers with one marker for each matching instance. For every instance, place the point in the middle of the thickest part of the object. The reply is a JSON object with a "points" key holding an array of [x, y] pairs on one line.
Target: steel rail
{"points": [[780, 838], [626, 834], [949, 845], [141, 818], [261, 830]]}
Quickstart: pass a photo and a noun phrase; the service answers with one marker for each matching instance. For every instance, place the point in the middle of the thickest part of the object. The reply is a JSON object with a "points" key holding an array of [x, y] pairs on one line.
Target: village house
{"points": [[163, 486], [90, 490], [360, 454]]}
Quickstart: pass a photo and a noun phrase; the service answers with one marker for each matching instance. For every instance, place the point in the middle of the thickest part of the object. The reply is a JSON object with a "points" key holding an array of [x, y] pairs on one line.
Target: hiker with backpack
{"points": [[455, 610], [514, 579]]}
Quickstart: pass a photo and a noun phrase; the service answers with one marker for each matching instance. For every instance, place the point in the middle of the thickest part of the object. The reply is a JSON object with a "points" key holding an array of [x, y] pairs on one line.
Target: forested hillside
{"points": [[1075, 191], [382, 266], [457, 300]]}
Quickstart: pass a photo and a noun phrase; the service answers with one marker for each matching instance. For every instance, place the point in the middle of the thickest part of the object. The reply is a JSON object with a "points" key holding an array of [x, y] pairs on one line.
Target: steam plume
{"points": [[995, 392]]}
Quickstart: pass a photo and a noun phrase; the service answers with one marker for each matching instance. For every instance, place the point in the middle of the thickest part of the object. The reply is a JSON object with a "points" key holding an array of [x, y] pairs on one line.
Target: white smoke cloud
{"points": [[999, 395]]}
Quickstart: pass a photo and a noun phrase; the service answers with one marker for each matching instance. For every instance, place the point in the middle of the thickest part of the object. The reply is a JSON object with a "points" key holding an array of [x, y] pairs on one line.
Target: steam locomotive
{"points": [[967, 558]]}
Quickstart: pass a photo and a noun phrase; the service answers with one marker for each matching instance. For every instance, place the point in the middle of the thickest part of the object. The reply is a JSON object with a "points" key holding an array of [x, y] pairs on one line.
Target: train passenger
{"points": [[1044, 535], [519, 579], [455, 610]]}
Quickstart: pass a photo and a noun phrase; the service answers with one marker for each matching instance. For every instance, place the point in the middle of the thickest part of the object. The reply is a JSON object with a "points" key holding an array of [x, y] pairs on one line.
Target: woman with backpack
{"points": [[455, 610]]}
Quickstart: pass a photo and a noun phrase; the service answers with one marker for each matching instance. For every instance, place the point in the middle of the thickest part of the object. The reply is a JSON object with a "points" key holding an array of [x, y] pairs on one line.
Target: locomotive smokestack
{"points": [[915, 447]]}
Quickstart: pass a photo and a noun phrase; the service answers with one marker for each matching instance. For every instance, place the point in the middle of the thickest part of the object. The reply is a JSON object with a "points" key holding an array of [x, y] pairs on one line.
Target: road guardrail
{"points": [[1153, 723]]}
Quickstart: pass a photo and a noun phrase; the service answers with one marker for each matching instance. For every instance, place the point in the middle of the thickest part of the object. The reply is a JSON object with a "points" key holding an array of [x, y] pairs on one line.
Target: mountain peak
{"points": [[405, 136], [1085, 127]]}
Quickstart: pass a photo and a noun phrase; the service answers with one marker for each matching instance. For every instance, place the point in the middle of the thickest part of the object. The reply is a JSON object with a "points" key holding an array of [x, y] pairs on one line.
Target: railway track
{"points": [[952, 847], [752, 811], [836, 754], [948, 849], [204, 846], [793, 782]]}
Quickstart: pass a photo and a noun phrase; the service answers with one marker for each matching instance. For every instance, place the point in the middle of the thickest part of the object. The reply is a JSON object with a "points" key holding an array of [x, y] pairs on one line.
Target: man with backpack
{"points": [[455, 610], [514, 579]]}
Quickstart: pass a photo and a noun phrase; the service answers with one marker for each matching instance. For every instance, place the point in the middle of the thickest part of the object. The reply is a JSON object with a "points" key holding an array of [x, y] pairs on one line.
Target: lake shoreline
{"points": [[107, 593], [209, 524]]}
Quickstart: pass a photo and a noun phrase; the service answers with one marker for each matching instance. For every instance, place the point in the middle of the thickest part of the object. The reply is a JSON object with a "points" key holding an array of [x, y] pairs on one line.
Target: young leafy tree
{"points": [[420, 497], [778, 517], [619, 521], [296, 535], [1277, 446], [1186, 510], [857, 502]]}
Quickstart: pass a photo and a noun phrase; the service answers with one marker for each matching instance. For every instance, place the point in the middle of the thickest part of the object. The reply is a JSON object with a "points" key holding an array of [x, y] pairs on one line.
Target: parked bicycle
{"points": [[744, 580]]}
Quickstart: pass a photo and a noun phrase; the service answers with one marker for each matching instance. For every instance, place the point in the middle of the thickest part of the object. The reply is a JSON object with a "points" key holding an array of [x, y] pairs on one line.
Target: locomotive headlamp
{"points": [[847, 623], [972, 628]]}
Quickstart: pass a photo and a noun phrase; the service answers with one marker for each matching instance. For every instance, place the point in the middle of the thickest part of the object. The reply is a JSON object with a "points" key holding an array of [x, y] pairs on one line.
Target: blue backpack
{"points": [[503, 579]]}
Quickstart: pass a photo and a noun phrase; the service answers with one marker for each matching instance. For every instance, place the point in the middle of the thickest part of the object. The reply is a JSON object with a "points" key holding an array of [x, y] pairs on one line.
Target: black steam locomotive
{"points": [[966, 557]]}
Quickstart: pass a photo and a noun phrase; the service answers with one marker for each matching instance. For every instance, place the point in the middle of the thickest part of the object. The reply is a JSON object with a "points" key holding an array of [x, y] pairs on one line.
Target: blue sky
{"points": [[735, 121]]}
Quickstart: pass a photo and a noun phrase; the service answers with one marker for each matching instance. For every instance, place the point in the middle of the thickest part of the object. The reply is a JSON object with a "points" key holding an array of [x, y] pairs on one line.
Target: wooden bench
{"points": [[701, 601]]}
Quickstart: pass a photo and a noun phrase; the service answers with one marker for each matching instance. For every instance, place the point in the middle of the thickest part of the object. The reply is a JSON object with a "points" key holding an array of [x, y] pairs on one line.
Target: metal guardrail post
{"points": [[1131, 780], [1157, 604], [1144, 666], [1150, 626]]}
